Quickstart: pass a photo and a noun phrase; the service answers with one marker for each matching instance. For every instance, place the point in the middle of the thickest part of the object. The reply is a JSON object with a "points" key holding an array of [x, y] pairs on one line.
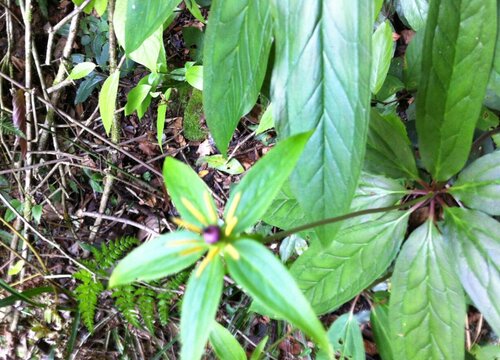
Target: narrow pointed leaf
{"points": [[346, 339], [81, 70], [379, 320], [493, 91], [427, 308], [263, 181], [388, 149], [357, 256], [383, 50], [135, 98], [413, 61], [234, 68], [141, 18], [157, 258], [259, 350], [478, 186], [321, 82], [160, 119], [107, 100], [199, 307], [226, 347], [457, 39], [475, 238], [187, 189], [265, 279]]}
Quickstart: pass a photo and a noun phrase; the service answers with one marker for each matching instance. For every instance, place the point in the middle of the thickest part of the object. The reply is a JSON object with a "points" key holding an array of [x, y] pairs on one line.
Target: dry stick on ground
{"points": [[115, 128]]}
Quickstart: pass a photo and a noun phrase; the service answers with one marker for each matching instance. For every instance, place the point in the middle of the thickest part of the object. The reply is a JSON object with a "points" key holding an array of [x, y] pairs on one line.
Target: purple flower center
{"points": [[211, 234]]}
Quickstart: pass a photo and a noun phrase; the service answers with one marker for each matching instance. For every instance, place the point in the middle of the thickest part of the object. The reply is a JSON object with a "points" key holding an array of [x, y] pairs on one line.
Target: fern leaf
{"points": [[124, 302], [107, 255], [8, 128], [164, 301], [145, 302], [87, 294]]}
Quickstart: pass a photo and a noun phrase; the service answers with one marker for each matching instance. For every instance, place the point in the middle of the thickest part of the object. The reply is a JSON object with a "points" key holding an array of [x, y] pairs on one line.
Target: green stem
{"points": [[282, 234]]}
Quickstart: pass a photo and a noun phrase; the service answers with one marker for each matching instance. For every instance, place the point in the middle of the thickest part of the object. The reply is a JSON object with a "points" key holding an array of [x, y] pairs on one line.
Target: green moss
{"points": [[192, 117]]}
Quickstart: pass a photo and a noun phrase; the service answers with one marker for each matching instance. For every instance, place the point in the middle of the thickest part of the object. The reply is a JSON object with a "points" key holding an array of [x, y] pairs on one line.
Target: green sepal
{"points": [[159, 257], [199, 306], [263, 182], [185, 187], [226, 347], [266, 280]]}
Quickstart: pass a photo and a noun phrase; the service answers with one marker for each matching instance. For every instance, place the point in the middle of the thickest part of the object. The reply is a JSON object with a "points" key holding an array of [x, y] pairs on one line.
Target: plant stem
{"points": [[282, 234]]}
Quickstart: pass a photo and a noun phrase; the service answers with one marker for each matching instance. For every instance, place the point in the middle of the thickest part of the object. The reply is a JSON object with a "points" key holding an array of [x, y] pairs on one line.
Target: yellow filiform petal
{"points": [[186, 225], [191, 251], [194, 211], [234, 205], [175, 243], [211, 254], [231, 250], [210, 208], [230, 224]]}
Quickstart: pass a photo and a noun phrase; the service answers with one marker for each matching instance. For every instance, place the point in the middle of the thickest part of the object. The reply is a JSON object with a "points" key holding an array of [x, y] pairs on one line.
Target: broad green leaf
{"points": [[488, 352], [413, 61], [266, 121], [259, 350], [219, 162], [357, 256], [190, 195], [457, 40], [379, 320], [81, 70], [321, 82], [194, 76], [107, 100], [100, 6], [135, 98], [475, 238], [251, 198], [140, 19], [388, 150], [36, 212], [234, 68], [345, 336], [16, 268], [199, 306], [493, 91], [427, 307], [383, 50], [266, 279], [88, 8], [226, 347], [478, 186], [160, 119], [415, 12], [378, 7], [160, 257]]}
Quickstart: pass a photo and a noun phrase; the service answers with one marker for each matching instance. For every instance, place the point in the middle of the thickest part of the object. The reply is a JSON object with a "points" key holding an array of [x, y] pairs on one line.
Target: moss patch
{"points": [[193, 113]]}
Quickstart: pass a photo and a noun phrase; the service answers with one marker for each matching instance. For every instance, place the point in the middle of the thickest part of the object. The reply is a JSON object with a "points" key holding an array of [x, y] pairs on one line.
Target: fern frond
{"points": [[125, 302], [87, 294], [164, 301], [145, 302], [107, 255], [8, 128]]}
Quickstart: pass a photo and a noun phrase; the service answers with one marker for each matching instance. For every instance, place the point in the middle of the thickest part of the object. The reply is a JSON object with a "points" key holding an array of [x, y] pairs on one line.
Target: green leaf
{"points": [[266, 121], [321, 82], [475, 238], [457, 39], [224, 344], [199, 306], [16, 268], [388, 150], [251, 198], [23, 296], [478, 186], [194, 76], [415, 12], [259, 350], [383, 50], [235, 67], [28, 294], [107, 100], [190, 195], [37, 211], [379, 320], [100, 6], [219, 162], [488, 352], [265, 279], [160, 257], [140, 19], [427, 307], [136, 97], [193, 8], [345, 336], [160, 119], [358, 255], [413, 61], [81, 70], [493, 91]]}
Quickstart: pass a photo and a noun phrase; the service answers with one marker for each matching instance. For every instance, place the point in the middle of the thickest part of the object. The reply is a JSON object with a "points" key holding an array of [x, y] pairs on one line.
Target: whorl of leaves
{"points": [[87, 294]]}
